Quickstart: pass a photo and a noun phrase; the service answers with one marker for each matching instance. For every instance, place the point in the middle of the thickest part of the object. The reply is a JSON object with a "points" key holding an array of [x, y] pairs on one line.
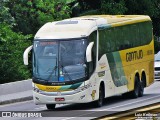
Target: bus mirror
{"points": [[25, 55], [89, 52]]}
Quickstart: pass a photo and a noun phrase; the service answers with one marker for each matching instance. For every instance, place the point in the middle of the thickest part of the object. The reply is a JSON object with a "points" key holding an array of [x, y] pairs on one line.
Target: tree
{"points": [[19, 21], [12, 46], [113, 7], [126, 7], [30, 15]]}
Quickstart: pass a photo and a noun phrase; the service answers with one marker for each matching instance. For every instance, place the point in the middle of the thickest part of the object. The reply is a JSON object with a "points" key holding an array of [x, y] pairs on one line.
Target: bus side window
{"points": [[118, 41], [145, 33], [113, 40], [136, 40]]}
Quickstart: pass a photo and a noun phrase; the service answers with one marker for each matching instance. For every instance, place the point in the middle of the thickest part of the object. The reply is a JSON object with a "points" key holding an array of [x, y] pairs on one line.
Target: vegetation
{"points": [[19, 21], [124, 7]]}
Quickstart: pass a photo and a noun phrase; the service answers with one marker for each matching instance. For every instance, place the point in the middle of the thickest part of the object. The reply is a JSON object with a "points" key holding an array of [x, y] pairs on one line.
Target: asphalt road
{"points": [[83, 111]]}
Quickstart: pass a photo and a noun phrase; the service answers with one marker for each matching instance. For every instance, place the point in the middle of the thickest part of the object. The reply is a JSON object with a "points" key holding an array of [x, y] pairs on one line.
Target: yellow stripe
{"points": [[119, 20], [128, 22], [48, 88]]}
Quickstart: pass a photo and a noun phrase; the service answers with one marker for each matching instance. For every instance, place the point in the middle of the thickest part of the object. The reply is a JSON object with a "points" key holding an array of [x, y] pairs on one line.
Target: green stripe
{"points": [[74, 86], [116, 67], [66, 87]]}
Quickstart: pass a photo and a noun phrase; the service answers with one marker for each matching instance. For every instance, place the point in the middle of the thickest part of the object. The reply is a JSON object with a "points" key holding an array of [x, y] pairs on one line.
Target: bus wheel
{"points": [[50, 106], [100, 101], [135, 92], [141, 89], [142, 85]]}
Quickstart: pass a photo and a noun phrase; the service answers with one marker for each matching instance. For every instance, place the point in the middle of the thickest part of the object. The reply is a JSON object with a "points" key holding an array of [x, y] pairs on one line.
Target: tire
{"points": [[126, 95], [142, 85], [141, 89], [100, 101], [50, 106], [136, 91]]}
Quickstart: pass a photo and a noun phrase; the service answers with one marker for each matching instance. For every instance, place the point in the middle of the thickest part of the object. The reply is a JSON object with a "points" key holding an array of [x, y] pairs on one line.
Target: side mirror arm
{"points": [[89, 52], [25, 55]]}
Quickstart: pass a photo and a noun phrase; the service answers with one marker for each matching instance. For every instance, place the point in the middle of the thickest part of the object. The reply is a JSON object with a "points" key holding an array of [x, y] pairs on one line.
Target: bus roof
{"points": [[82, 26]]}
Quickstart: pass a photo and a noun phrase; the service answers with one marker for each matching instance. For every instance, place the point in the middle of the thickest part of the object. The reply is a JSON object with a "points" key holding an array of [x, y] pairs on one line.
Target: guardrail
{"points": [[14, 87], [16, 91]]}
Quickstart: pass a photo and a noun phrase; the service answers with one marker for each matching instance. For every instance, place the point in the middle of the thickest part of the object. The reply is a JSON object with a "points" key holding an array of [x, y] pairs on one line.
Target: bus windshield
{"points": [[59, 60]]}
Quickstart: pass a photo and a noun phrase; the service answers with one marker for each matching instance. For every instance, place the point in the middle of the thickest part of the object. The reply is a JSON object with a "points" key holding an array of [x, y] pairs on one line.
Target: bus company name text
{"points": [[135, 55]]}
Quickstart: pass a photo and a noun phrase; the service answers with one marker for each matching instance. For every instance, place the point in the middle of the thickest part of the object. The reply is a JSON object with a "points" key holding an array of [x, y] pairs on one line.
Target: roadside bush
{"points": [[12, 46]]}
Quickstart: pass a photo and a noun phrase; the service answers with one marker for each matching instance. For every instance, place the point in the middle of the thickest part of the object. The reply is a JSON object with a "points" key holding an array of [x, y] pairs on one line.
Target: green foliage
{"points": [[91, 12], [5, 16], [144, 7], [12, 46], [112, 7], [124, 7], [19, 21], [30, 15]]}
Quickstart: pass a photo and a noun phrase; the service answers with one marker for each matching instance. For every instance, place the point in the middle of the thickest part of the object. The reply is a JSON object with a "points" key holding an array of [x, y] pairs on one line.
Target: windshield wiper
{"points": [[54, 70]]}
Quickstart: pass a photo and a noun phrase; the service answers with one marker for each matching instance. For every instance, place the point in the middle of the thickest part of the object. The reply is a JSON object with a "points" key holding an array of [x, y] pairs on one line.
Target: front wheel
{"points": [[99, 102], [50, 106]]}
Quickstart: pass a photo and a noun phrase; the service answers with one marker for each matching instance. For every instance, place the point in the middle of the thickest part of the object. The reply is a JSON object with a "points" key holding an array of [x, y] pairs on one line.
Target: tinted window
{"points": [[124, 37]]}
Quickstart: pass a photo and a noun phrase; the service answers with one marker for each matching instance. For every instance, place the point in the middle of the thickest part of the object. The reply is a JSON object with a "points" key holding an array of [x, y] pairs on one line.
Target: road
{"points": [[86, 111]]}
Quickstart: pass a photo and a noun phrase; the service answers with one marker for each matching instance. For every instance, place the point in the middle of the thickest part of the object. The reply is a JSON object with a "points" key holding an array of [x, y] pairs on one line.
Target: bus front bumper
{"points": [[57, 98]]}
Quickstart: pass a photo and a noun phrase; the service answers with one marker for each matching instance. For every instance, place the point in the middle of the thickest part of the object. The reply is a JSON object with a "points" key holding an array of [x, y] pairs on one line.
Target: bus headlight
{"points": [[36, 90]]}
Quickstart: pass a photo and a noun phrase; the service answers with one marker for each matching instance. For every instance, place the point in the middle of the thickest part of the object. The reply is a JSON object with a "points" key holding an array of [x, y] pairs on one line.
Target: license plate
{"points": [[59, 99]]}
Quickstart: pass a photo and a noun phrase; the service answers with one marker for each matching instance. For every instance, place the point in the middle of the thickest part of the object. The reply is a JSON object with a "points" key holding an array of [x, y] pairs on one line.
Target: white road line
{"points": [[40, 108], [112, 107], [130, 103], [69, 118]]}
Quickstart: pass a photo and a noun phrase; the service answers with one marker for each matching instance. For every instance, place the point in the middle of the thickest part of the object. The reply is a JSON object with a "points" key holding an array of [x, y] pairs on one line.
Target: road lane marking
{"points": [[43, 107], [113, 107], [130, 103]]}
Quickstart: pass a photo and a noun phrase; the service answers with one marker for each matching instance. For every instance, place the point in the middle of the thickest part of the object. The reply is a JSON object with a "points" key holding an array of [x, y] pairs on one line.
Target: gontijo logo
{"points": [[135, 55]]}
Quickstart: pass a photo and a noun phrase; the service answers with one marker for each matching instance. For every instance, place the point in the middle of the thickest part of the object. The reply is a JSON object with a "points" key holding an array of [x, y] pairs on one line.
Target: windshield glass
{"points": [[59, 61], [157, 57]]}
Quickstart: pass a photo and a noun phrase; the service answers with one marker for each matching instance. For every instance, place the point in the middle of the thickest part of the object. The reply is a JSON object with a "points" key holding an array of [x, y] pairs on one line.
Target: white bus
{"points": [[89, 58]]}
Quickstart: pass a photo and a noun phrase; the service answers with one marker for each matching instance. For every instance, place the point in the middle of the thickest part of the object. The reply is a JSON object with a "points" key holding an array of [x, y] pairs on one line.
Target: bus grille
{"points": [[157, 68]]}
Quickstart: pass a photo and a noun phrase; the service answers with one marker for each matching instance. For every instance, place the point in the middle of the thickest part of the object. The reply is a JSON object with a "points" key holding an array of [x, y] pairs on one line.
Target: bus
{"points": [[89, 58]]}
